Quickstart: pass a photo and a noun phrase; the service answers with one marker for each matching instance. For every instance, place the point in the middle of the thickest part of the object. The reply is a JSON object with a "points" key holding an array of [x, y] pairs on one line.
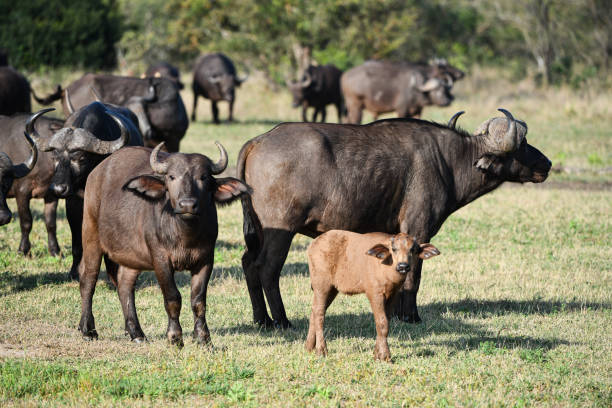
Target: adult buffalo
{"points": [[164, 69], [215, 78], [319, 87], [171, 198], [35, 183], [155, 101], [397, 175], [14, 92], [89, 135], [406, 88]]}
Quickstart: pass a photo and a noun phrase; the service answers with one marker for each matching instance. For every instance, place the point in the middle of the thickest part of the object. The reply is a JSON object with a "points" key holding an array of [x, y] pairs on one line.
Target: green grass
{"points": [[517, 311]]}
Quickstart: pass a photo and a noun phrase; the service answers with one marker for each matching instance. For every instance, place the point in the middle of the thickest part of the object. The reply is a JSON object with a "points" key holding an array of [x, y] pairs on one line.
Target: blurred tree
{"points": [[60, 32]]}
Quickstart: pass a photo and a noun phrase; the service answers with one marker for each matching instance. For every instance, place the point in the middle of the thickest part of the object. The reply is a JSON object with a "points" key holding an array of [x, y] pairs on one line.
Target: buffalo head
{"points": [[507, 155], [76, 151], [299, 89], [187, 184], [10, 172]]}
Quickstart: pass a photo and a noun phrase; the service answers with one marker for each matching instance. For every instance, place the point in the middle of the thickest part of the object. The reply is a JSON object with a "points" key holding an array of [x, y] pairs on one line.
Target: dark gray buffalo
{"points": [[89, 135], [155, 101], [14, 92], [319, 87], [171, 199], [405, 88], [34, 184], [215, 78], [397, 175], [164, 69]]}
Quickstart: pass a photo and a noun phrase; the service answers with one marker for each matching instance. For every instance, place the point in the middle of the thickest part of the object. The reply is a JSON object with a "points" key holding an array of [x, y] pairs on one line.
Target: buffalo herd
{"points": [[135, 201]]}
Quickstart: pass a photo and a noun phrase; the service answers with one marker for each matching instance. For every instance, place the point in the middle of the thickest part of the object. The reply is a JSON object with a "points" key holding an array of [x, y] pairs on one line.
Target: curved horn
{"points": [[21, 170], [150, 97], [453, 121], [93, 144], [306, 82], [158, 166], [68, 102], [32, 133], [219, 166], [95, 93], [509, 141], [430, 85]]}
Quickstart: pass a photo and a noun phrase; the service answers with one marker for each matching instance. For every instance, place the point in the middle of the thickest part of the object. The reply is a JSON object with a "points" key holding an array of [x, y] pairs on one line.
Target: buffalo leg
{"points": [[111, 270], [25, 222], [260, 313], [320, 302], [74, 214], [215, 112], [199, 285], [323, 114], [339, 109], [354, 112], [276, 247], [304, 112], [50, 224], [126, 281], [406, 306], [195, 105], [172, 302], [381, 350], [315, 115], [89, 270], [231, 111]]}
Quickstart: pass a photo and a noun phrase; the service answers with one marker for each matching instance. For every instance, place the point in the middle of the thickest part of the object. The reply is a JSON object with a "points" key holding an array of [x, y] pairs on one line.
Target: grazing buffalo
{"points": [[319, 87], [215, 78], [14, 92], [155, 101], [164, 69], [36, 183], [384, 86], [171, 199], [89, 135], [397, 175]]}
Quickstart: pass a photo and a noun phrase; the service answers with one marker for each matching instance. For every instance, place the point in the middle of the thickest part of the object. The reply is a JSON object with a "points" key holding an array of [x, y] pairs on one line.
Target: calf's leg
{"points": [[50, 224], [199, 285], [126, 281], [381, 350], [322, 298], [172, 301]]}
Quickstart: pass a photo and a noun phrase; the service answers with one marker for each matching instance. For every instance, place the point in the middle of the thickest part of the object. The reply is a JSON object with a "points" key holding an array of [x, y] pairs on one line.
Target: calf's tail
{"points": [[251, 226]]}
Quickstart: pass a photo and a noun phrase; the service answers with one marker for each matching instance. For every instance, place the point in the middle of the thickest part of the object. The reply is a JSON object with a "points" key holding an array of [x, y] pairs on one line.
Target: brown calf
{"points": [[338, 263]]}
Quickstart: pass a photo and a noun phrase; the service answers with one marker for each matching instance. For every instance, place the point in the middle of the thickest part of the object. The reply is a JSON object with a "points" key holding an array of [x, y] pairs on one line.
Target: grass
{"points": [[517, 311]]}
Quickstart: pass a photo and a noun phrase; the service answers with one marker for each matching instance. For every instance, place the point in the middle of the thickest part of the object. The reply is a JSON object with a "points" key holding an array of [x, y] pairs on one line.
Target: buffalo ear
{"points": [[147, 186], [484, 163], [229, 189], [380, 251], [428, 251]]}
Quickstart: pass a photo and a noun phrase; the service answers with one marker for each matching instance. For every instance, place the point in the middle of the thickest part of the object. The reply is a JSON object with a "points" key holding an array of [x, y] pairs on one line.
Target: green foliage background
{"points": [[554, 40]]}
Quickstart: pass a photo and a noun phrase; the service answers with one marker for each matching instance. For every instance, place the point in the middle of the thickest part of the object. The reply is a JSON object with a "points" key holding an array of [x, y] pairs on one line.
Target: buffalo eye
{"points": [[171, 177]]}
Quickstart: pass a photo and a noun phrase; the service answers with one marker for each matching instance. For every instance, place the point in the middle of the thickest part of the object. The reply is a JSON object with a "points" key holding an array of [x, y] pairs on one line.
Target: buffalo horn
{"points": [[219, 166], [150, 97], [68, 102], [22, 170], [32, 133], [94, 145], [307, 81], [158, 166], [453, 121], [95, 93], [430, 85], [509, 142]]}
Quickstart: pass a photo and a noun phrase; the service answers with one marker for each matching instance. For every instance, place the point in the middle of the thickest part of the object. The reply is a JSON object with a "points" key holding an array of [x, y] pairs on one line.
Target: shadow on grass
{"points": [[13, 283]]}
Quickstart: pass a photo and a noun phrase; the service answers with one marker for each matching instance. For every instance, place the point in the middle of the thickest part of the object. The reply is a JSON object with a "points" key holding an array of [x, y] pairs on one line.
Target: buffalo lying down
{"points": [[150, 210], [397, 175]]}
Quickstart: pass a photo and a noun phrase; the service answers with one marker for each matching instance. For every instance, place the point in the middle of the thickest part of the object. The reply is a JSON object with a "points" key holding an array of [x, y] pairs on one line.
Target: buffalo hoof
{"points": [[265, 323], [411, 319], [139, 340], [74, 275], [285, 324], [90, 335], [55, 252], [176, 340], [25, 251]]}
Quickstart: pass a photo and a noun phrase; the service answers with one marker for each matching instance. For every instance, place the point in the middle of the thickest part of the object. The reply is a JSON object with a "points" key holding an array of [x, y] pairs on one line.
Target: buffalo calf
{"points": [[148, 210], [338, 263]]}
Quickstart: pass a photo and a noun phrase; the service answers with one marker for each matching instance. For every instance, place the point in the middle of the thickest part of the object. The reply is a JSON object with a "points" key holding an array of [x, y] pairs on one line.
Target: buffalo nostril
{"points": [[60, 189], [403, 266], [188, 205]]}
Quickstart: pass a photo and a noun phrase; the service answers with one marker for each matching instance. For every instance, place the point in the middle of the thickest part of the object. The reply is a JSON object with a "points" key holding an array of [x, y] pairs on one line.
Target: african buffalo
{"points": [[89, 135], [384, 86], [171, 199], [14, 92], [164, 69], [214, 78], [155, 101], [396, 175], [36, 183], [319, 87]]}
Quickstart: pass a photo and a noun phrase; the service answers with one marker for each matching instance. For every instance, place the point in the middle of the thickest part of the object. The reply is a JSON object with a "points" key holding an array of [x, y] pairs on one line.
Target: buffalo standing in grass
{"points": [[89, 135], [151, 210], [384, 86], [164, 69], [215, 78], [34, 184], [155, 101], [397, 175], [319, 87]]}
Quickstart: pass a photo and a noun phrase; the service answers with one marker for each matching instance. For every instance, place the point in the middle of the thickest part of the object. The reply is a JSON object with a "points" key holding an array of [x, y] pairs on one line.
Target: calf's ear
{"points": [[380, 251], [229, 189], [428, 251], [146, 186]]}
